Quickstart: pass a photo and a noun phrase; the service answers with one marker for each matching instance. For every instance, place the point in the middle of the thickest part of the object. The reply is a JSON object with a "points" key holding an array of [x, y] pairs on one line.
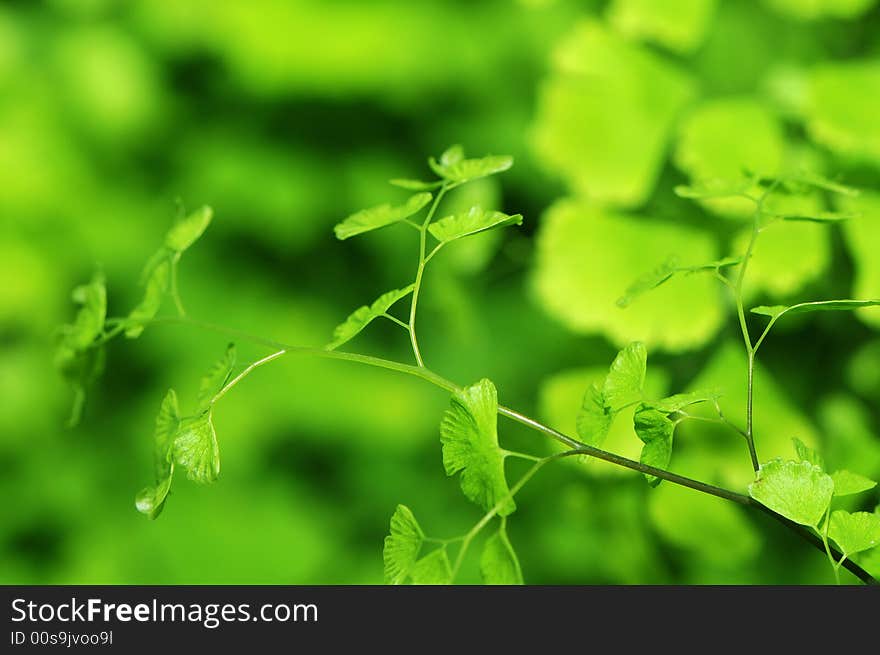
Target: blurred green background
{"points": [[287, 115]]}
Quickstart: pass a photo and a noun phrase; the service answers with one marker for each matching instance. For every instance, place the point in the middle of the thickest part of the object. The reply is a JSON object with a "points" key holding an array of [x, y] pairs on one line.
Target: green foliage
{"points": [[374, 218], [666, 271], [854, 532], [186, 231], [469, 434], [471, 222], [847, 483], [498, 562], [800, 491], [454, 168], [655, 429], [211, 384], [777, 311], [402, 545], [151, 500], [807, 454], [363, 316], [156, 286], [433, 569]]}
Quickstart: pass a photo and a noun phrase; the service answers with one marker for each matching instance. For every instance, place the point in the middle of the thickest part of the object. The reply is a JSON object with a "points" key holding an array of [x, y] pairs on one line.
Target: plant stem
{"points": [[750, 351], [417, 285], [238, 378], [576, 447]]}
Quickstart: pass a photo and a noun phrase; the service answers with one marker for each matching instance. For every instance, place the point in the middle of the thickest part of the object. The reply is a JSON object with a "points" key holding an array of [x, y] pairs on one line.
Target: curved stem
{"points": [[750, 351], [576, 447]]}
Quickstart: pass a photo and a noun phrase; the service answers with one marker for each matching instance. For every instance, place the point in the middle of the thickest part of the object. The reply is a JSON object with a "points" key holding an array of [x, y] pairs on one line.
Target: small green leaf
{"points": [[679, 401], [626, 378], [595, 418], [469, 434], [89, 322], [363, 316], [470, 222], [655, 430], [714, 188], [815, 217], [666, 272], [373, 218], [498, 562], [187, 231], [414, 185], [847, 483], [433, 569], [453, 167], [151, 500], [156, 285], [800, 491], [402, 545], [820, 182], [854, 532], [196, 450], [776, 311], [807, 454], [211, 384]]}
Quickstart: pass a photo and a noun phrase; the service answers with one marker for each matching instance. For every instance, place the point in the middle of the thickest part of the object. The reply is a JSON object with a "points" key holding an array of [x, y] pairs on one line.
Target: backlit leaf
{"points": [[89, 321], [854, 532], [211, 384], [402, 545], [498, 562], [595, 417], [470, 222], [414, 185], [626, 377], [665, 272], [655, 430], [196, 449], [777, 311], [807, 454], [847, 483], [679, 401], [151, 500], [156, 285], [187, 230], [363, 316], [374, 218], [469, 435], [433, 569], [453, 167], [800, 491]]}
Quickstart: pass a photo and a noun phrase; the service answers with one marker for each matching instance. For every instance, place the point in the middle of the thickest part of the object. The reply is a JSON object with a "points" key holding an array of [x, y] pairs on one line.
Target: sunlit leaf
{"points": [[775, 312], [433, 569], [498, 562], [854, 532], [151, 500], [187, 230], [679, 401], [402, 546], [196, 449], [626, 377], [211, 384], [363, 316], [374, 218], [453, 167], [800, 491], [414, 185], [89, 321], [595, 417], [847, 483], [655, 429], [665, 272], [469, 434], [807, 454], [156, 285], [471, 222]]}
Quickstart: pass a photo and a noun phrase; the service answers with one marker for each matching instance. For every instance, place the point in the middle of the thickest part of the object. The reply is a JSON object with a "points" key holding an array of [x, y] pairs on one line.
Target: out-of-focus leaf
{"points": [[402, 545], [665, 272], [469, 434], [808, 10], [854, 532], [156, 286], [680, 26], [187, 230], [655, 429], [363, 316], [89, 320], [433, 569], [714, 188], [373, 218], [807, 454], [679, 401], [862, 237], [605, 116], [414, 185], [471, 222], [847, 483], [800, 491], [498, 561]]}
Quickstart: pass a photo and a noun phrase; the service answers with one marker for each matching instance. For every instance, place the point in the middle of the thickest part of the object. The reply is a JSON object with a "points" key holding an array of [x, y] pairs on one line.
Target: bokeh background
{"points": [[287, 115]]}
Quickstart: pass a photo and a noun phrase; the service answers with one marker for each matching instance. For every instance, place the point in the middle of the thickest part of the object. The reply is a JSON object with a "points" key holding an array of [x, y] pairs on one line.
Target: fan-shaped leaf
{"points": [[807, 454], [847, 483], [626, 378], [402, 545], [433, 569], [800, 491], [854, 532], [453, 167], [373, 218], [196, 450], [156, 285], [211, 384], [469, 435], [151, 500], [470, 222], [666, 271], [595, 417], [655, 430], [498, 562], [187, 231], [363, 316]]}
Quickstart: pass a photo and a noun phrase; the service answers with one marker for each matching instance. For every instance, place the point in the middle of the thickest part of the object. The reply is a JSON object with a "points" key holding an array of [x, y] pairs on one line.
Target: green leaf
{"points": [[679, 401], [775, 312], [666, 271], [606, 114], [854, 532], [800, 491], [196, 450], [498, 562], [89, 321], [470, 222], [433, 569], [374, 218], [211, 384], [580, 291], [187, 231], [151, 500], [655, 430], [847, 483], [363, 316], [453, 167], [156, 285], [595, 418], [414, 185], [814, 217], [626, 378], [469, 434], [402, 545], [807, 454], [80, 368]]}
